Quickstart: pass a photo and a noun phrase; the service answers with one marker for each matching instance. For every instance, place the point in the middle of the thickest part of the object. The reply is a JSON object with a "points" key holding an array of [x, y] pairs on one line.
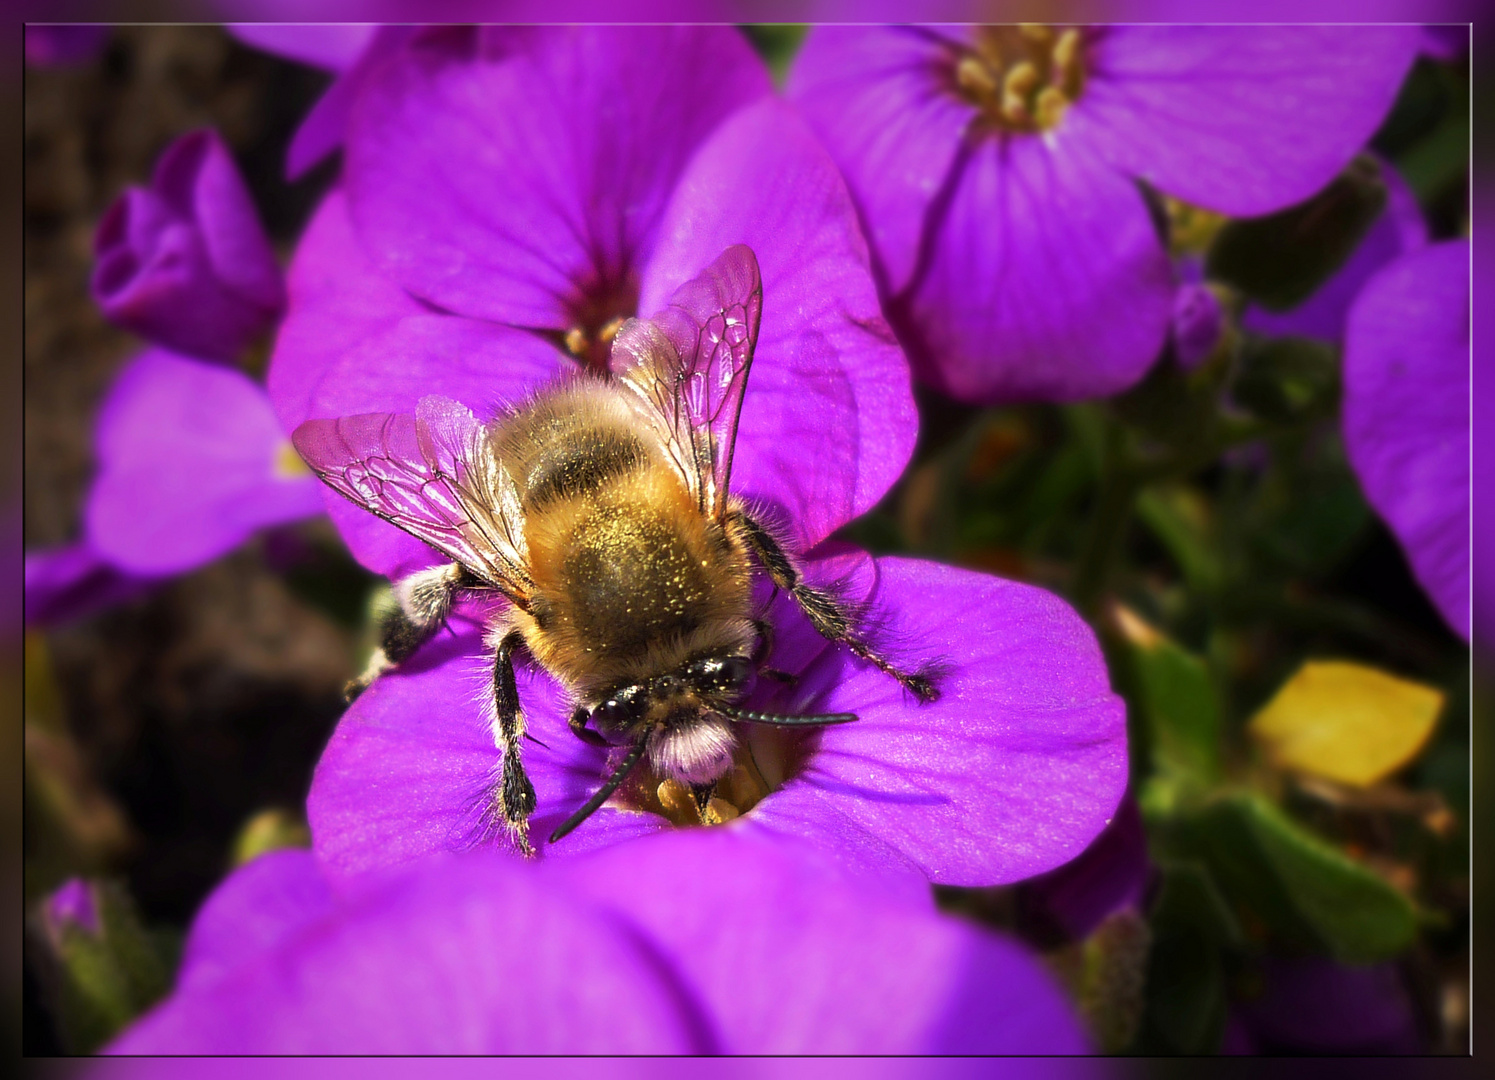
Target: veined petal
{"points": [[1240, 119], [1406, 414], [1047, 279], [508, 177], [877, 99], [1013, 771], [829, 384]]}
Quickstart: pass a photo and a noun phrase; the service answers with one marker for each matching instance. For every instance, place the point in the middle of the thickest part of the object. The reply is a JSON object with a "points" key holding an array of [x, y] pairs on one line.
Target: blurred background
{"points": [[1279, 906]]}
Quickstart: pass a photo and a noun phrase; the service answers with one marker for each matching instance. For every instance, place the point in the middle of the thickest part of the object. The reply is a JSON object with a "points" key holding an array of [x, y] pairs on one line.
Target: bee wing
{"points": [[688, 366], [433, 475]]}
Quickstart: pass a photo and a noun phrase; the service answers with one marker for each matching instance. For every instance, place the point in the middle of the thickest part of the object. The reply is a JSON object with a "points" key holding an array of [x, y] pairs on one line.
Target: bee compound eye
{"points": [[739, 675], [613, 714]]}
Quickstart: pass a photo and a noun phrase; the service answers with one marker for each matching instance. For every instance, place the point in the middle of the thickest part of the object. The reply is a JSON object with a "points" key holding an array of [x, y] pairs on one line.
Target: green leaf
{"points": [[1185, 998], [1285, 379], [1280, 260], [1176, 701], [1302, 889]]}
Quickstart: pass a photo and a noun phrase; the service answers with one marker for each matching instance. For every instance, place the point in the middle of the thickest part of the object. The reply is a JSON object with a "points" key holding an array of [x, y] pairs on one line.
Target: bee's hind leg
{"points": [[421, 603], [827, 614], [513, 797]]}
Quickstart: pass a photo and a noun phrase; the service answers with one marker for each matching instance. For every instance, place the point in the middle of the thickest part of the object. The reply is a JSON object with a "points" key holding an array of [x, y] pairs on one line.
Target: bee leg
{"points": [[762, 650], [827, 614], [514, 797], [421, 605], [577, 722]]}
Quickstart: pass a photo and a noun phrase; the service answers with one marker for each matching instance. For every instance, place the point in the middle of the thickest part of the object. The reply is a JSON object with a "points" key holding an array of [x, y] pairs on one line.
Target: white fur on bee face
{"points": [[697, 752]]}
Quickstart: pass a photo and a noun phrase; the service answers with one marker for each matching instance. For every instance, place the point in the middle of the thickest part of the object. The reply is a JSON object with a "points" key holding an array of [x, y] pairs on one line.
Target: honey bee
{"points": [[601, 509]]}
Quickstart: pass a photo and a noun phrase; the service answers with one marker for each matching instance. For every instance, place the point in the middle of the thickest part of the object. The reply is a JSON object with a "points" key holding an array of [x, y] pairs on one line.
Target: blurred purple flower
{"points": [[696, 943], [1406, 414], [994, 171], [53, 44], [69, 582], [1399, 230], [1312, 1005], [1198, 320], [71, 906], [191, 462], [557, 179], [185, 263], [1110, 875]]}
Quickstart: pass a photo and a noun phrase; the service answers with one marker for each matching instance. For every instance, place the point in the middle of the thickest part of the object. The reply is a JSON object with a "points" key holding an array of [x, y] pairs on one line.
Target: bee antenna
{"points": [[817, 720], [635, 752]]}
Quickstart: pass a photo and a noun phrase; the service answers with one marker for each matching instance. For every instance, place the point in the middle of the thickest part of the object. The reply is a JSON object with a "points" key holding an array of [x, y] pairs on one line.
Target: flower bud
{"points": [[185, 262]]}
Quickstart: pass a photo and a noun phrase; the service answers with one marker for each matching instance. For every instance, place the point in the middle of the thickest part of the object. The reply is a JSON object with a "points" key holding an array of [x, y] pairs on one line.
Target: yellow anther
{"points": [[1020, 81], [1066, 57], [1036, 32], [576, 341], [1050, 107], [975, 78]]}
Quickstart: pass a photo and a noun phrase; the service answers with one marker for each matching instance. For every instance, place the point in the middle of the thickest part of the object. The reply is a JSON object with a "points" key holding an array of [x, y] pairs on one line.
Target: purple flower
{"points": [[64, 43], [71, 907], [1399, 230], [1110, 875], [608, 172], [994, 169], [1406, 414], [185, 263], [72, 581], [191, 463], [1198, 320], [695, 943], [1312, 1005]]}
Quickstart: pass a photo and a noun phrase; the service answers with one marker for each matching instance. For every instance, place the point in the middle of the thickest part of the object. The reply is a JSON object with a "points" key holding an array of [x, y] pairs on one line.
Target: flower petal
{"points": [[873, 95], [332, 46], [1240, 119], [788, 959], [337, 301], [258, 907], [1406, 414], [503, 179], [1013, 771], [829, 384], [1047, 279], [70, 582], [471, 956], [411, 764], [191, 462]]}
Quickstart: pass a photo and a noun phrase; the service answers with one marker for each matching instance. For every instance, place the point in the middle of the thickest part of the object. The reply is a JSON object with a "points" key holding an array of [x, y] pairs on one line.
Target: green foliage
{"points": [[1281, 259]]}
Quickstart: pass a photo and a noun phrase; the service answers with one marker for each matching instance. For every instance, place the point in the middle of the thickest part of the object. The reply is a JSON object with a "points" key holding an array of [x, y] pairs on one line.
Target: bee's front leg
{"points": [[421, 605], [827, 614], [513, 799]]}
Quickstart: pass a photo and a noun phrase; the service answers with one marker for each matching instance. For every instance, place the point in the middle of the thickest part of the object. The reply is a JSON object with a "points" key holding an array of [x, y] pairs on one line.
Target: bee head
{"points": [[675, 697]]}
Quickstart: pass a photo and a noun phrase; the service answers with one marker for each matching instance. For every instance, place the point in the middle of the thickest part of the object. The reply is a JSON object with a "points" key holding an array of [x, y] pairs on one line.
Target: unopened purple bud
{"points": [[1197, 323], [185, 262], [72, 907]]}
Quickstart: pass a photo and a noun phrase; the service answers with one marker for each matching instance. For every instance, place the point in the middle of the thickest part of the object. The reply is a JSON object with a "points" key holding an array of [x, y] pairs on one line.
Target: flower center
{"points": [[1023, 77], [766, 756], [1191, 229], [287, 463], [596, 318]]}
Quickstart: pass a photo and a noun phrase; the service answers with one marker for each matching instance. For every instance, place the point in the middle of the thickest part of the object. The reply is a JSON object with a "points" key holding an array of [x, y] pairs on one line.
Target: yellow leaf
{"points": [[1347, 722]]}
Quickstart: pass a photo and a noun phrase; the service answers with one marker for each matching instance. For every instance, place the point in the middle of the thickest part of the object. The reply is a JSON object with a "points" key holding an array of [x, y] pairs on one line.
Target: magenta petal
{"points": [[333, 46], [874, 97], [828, 384], [1047, 279], [1240, 119], [64, 43], [472, 956], [1406, 414], [1013, 771], [70, 582], [191, 462], [410, 766], [502, 184], [789, 959], [257, 908]]}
